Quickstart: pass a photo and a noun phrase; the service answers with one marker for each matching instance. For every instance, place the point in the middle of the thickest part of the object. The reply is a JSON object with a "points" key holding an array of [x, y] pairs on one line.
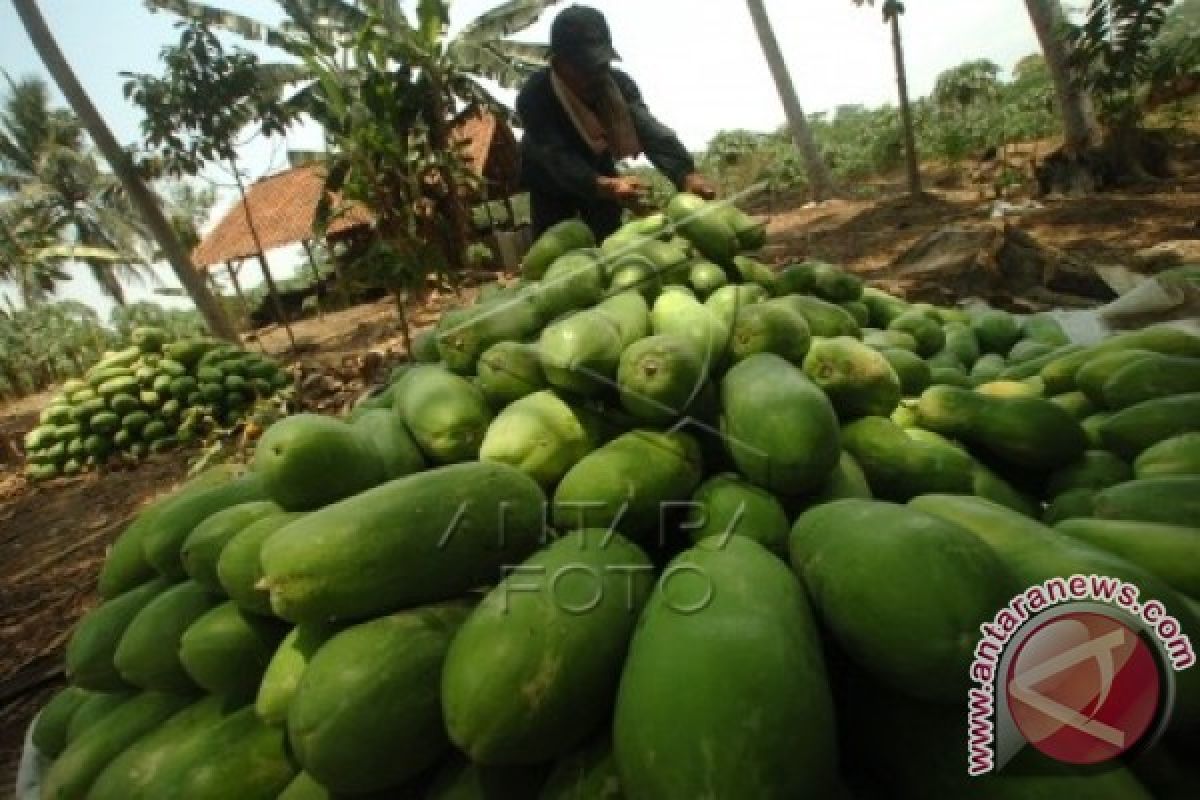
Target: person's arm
{"points": [[659, 142], [547, 145]]}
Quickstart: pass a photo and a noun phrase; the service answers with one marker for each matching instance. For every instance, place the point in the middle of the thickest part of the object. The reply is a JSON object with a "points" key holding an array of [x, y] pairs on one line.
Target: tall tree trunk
{"points": [[141, 196], [819, 177], [272, 290], [1079, 125], [912, 157]]}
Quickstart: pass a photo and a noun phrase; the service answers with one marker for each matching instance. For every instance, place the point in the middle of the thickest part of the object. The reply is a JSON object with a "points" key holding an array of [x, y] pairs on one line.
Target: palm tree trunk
{"points": [[912, 157], [1079, 126], [141, 196], [819, 177]]}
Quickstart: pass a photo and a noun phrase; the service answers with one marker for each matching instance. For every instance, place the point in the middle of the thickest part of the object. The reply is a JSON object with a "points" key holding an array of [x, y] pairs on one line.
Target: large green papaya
{"points": [[148, 653], [835, 284], [286, 668], [126, 566], [49, 734], [914, 373], [554, 635], [884, 308], [626, 484], [899, 467], [227, 650], [95, 707], [446, 414], [996, 331], [542, 436], [824, 319], [705, 226], [916, 635], [580, 353], [509, 371], [729, 301], [1095, 372], [1179, 455], [751, 233], [726, 505], [727, 629], [241, 757], [412, 541], [72, 774], [239, 568], [1045, 329], [1059, 373], [659, 377], [385, 433], [780, 429], [1095, 469], [634, 272], [1172, 500], [1150, 378], [90, 650], [202, 548], [1034, 553], [574, 281], [679, 314], [706, 277], [131, 775], [1172, 552], [775, 326], [1132, 430], [294, 458], [1028, 432], [858, 380], [557, 241], [163, 544], [630, 313], [462, 340], [367, 714]]}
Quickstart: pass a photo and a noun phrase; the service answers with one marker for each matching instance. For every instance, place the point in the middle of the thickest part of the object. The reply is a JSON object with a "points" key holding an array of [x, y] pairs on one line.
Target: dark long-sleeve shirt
{"points": [[554, 157]]}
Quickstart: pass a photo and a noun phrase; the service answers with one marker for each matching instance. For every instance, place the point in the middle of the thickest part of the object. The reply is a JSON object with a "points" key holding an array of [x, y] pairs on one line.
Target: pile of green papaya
{"points": [[657, 522], [150, 397]]}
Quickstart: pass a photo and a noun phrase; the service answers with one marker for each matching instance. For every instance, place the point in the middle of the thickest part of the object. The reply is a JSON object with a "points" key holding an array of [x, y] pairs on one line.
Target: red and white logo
{"points": [[1084, 688]]}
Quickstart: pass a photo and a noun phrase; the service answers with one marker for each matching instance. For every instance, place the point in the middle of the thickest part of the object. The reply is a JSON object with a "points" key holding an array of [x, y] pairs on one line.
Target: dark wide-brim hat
{"points": [[581, 36]]}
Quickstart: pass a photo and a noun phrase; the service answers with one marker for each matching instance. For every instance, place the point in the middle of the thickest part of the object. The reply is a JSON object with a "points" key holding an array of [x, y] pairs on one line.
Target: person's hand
{"points": [[629, 192], [699, 185]]}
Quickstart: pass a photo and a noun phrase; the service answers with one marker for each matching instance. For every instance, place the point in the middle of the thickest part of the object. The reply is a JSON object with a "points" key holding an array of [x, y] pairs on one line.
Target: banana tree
{"points": [[449, 71], [481, 50]]}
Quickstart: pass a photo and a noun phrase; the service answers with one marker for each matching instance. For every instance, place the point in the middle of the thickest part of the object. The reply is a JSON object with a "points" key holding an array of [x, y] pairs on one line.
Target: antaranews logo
{"points": [[1078, 668]]}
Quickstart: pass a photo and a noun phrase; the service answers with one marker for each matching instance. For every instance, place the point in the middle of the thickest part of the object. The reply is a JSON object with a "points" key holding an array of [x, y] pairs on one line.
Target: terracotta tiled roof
{"points": [[283, 206]]}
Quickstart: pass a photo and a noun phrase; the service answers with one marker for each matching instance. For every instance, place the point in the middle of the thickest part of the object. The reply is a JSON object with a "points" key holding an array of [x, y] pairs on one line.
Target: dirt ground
{"points": [[53, 537]]}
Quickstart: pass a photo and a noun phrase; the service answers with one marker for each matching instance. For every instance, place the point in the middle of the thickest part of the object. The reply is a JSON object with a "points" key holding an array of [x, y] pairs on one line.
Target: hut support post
{"points": [[273, 290], [312, 262]]}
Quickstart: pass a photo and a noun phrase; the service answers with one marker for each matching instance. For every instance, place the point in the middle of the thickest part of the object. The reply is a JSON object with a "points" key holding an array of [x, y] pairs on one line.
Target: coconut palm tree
{"points": [[819, 178], [892, 9], [138, 193], [47, 174]]}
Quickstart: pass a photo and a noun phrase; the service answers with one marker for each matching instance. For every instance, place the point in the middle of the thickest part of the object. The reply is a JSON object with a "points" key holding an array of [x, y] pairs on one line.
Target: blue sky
{"points": [[697, 61]]}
